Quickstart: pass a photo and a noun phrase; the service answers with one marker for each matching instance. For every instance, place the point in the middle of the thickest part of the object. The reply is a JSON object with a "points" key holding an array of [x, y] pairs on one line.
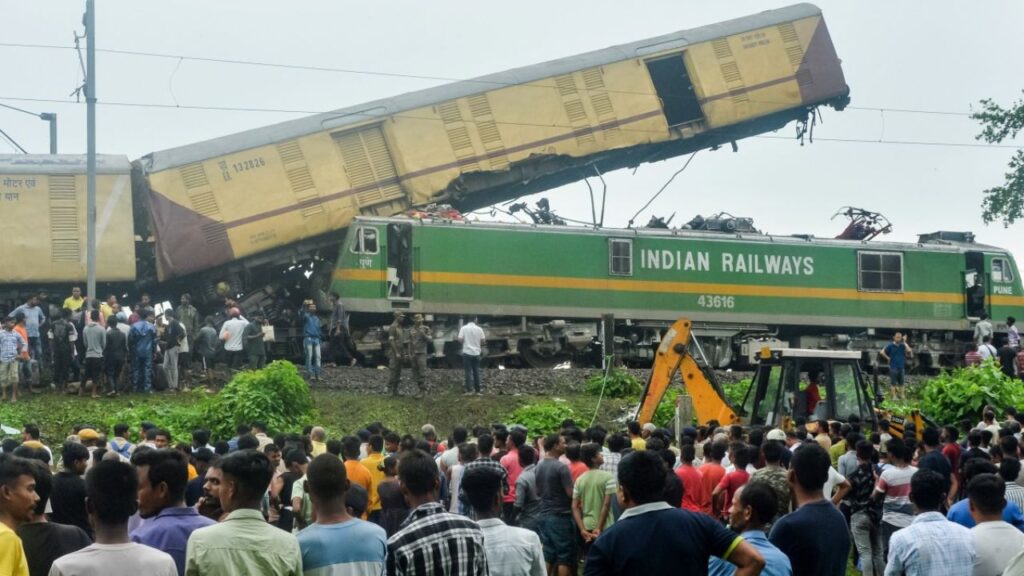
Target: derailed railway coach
{"points": [[541, 291], [227, 215], [222, 208], [42, 207]]}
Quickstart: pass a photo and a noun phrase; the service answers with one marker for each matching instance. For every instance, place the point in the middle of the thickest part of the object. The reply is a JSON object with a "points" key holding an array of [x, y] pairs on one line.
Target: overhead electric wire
{"points": [[526, 124], [12, 141], [410, 76]]}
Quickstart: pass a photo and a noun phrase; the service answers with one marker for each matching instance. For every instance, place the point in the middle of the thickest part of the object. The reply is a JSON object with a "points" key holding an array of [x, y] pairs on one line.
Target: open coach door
{"points": [[975, 285], [399, 262]]}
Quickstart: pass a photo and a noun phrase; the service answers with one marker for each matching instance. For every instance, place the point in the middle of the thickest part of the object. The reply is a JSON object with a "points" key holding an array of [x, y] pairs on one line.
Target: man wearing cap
{"points": [[231, 334], [778, 435], [398, 340]]}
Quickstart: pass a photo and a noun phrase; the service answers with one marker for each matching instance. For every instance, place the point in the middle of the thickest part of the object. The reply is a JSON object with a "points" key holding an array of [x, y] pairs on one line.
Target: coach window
{"points": [[1001, 271], [366, 241], [880, 271], [620, 257]]}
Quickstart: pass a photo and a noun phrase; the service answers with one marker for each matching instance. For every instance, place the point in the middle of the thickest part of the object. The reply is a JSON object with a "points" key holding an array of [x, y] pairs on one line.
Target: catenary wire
{"points": [[404, 75], [526, 124]]}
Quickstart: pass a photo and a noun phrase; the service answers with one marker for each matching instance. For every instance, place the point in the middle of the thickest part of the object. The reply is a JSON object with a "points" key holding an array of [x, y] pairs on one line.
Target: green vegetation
{"points": [[339, 412], [736, 391], [665, 413], [964, 392], [543, 417], [1006, 202], [276, 395], [618, 384]]}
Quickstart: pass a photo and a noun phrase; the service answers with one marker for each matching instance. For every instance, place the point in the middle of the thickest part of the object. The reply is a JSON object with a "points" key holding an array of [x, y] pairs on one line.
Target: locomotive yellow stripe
{"points": [[1004, 300], [657, 286]]}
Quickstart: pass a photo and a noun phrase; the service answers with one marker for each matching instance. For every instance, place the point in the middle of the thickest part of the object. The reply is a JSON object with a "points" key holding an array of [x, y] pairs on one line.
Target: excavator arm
{"points": [[672, 356]]}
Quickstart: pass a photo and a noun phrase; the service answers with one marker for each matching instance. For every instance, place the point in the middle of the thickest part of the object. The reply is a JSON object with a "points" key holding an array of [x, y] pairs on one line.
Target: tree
{"points": [[1006, 202]]}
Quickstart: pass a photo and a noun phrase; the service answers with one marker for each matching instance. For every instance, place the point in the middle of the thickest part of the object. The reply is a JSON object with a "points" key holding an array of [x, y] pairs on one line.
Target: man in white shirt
{"points": [[111, 488], [995, 541], [472, 339], [510, 551], [231, 334], [986, 350]]}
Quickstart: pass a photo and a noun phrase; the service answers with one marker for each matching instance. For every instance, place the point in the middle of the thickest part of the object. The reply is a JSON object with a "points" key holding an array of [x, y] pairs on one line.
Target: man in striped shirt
{"points": [[894, 486], [432, 541]]}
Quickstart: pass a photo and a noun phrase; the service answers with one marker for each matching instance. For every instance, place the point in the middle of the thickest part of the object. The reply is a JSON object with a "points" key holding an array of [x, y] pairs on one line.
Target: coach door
{"points": [[399, 262], [975, 285]]}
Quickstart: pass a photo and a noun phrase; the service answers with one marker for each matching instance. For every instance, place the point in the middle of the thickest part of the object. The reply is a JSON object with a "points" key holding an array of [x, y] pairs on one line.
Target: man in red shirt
{"points": [[712, 473], [510, 462], [695, 498], [813, 394], [951, 450], [732, 481]]}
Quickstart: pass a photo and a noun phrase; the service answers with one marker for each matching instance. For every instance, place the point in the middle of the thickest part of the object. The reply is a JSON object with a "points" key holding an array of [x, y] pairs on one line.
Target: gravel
{"points": [[512, 381]]}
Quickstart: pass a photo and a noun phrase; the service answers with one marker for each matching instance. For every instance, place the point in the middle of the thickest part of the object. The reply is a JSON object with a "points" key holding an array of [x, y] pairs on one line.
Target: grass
{"points": [[339, 412]]}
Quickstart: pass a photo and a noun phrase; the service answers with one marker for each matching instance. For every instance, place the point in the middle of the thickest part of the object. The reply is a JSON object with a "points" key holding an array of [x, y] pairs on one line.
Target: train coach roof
{"points": [[174, 157], [46, 164], [931, 246]]}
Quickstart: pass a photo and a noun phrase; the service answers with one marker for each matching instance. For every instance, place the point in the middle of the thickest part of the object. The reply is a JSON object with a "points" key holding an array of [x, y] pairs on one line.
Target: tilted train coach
{"points": [[542, 290], [235, 209]]}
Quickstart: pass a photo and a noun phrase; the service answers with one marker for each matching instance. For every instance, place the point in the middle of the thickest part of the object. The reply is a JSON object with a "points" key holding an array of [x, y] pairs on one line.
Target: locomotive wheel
{"points": [[536, 359]]}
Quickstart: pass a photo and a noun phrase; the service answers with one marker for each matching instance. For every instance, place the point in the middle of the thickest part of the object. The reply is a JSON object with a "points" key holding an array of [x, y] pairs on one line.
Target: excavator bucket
{"points": [[673, 357]]}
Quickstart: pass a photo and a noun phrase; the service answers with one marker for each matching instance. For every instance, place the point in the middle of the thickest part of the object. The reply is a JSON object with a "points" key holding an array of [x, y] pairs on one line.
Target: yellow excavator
{"points": [[814, 385]]}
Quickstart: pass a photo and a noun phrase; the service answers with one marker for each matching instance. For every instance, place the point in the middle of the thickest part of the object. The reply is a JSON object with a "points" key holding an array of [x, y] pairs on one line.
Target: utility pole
{"points": [[90, 102]]}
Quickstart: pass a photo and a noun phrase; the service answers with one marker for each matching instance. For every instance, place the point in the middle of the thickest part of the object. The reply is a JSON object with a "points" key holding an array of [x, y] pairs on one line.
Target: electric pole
{"points": [[90, 102]]}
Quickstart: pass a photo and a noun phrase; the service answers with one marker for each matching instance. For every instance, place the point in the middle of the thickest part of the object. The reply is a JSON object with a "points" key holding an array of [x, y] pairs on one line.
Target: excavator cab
{"points": [[813, 385]]}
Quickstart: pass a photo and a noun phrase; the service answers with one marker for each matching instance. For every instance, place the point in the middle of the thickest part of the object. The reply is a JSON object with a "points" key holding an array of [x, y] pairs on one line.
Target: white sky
{"points": [[939, 56]]}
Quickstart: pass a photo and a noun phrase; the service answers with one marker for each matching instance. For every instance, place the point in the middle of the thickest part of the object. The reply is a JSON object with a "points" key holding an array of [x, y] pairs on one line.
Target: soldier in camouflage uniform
{"points": [[419, 337], [398, 350]]}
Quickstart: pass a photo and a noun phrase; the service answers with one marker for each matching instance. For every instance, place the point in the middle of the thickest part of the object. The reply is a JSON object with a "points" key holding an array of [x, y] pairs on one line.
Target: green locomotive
{"points": [[542, 290]]}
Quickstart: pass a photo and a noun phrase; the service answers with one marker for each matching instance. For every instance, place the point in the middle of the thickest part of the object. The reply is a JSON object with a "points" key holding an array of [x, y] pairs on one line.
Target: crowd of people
{"points": [[113, 350], [499, 500]]}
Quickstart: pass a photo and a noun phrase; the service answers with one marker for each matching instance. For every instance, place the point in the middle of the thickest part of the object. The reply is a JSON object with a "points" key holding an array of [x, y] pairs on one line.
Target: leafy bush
{"points": [[735, 392], [665, 413], [964, 392], [276, 395], [542, 417], [620, 384]]}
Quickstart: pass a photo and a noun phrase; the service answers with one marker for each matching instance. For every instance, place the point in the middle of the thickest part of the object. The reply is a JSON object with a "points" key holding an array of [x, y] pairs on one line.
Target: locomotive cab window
{"points": [[1001, 271], [880, 271], [620, 257], [366, 241]]}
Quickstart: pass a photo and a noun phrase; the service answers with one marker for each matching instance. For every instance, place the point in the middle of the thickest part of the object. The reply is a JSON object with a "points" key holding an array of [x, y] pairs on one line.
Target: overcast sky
{"points": [[941, 56]]}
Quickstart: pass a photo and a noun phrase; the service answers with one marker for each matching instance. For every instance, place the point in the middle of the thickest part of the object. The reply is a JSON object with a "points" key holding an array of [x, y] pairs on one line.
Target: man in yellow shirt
{"points": [[374, 462], [107, 308], [636, 440], [75, 301], [17, 502]]}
